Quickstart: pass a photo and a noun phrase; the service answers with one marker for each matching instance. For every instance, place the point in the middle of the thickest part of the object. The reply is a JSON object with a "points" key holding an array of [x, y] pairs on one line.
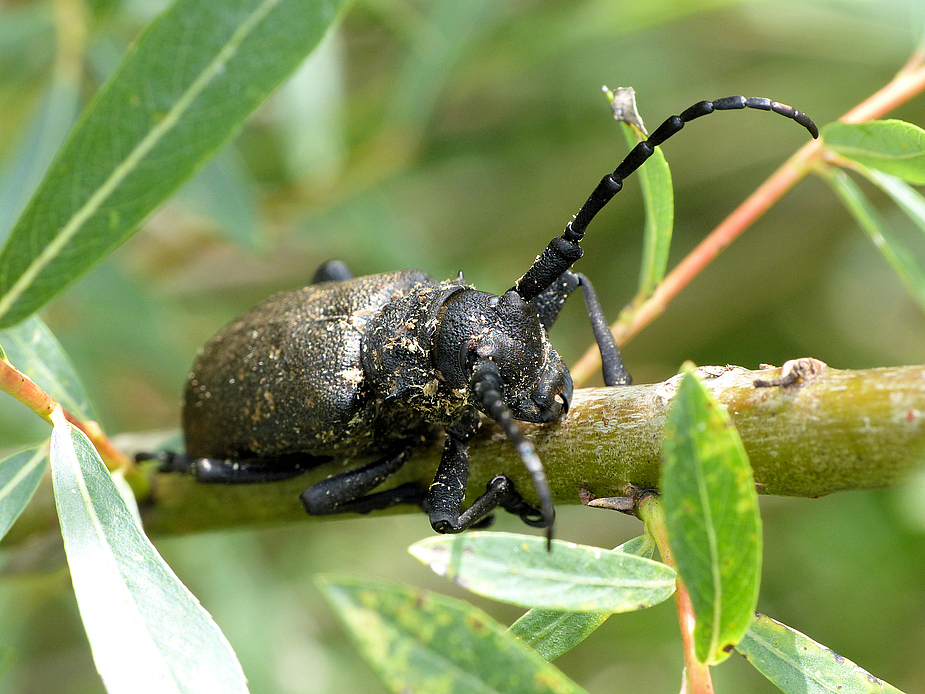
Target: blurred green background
{"points": [[451, 135]]}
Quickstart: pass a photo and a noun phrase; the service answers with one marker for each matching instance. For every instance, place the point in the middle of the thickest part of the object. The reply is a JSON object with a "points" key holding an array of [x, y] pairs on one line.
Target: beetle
{"points": [[372, 365]]}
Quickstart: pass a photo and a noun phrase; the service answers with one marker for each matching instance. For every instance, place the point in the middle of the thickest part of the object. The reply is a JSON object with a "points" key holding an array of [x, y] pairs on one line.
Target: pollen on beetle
{"points": [[352, 376]]}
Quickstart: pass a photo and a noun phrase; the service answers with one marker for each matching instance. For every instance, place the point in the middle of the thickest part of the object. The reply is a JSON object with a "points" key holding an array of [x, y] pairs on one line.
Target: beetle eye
{"points": [[464, 352]]}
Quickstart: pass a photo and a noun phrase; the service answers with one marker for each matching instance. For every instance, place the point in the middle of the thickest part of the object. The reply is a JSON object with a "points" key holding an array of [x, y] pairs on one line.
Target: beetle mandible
{"points": [[369, 365]]}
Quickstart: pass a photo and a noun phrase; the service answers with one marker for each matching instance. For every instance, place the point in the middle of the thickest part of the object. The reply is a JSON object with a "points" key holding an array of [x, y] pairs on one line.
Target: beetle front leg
{"points": [[615, 373], [445, 497]]}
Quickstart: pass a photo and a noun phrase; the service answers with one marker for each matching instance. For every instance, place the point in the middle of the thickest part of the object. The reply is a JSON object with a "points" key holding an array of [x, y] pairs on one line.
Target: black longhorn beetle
{"points": [[370, 365]]}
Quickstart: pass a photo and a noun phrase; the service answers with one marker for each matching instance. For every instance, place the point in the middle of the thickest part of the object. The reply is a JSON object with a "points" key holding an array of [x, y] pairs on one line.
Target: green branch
{"points": [[829, 430]]}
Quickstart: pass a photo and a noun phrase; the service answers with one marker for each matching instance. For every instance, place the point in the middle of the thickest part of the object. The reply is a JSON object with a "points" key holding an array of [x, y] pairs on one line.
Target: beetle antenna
{"points": [[486, 385], [564, 250]]}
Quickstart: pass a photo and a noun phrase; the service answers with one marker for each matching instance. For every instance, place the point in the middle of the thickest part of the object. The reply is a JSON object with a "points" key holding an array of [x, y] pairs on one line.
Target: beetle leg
{"points": [[346, 492], [550, 302], [225, 471], [446, 494], [518, 506], [615, 373], [410, 494], [486, 386], [446, 515]]}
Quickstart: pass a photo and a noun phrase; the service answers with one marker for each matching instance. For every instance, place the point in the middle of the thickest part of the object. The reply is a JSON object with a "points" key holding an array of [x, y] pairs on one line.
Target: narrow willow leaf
{"points": [[225, 192], [418, 641], [798, 665], [519, 570], [891, 146], [911, 201], [181, 92], [47, 129], [641, 546], [658, 196], [147, 632], [127, 493], [551, 633], [711, 513], [447, 30], [20, 475], [311, 114], [33, 349], [896, 254]]}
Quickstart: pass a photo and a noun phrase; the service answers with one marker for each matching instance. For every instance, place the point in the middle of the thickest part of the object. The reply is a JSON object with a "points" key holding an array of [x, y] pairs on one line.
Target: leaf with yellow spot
{"points": [[418, 641]]}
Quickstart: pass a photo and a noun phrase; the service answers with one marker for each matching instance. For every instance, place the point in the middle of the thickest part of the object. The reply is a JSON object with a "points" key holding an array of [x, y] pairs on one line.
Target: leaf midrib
{"points": [[131, 161]]}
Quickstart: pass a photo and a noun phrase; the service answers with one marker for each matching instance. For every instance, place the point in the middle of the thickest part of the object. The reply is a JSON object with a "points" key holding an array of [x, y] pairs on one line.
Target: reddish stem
{"points": [[24, 389], [697, 674]]}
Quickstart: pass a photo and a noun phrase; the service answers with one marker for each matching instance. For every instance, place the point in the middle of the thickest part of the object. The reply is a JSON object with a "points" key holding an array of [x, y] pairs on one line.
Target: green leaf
{"points": [[519, 570], [711, 513], [33, 349], [908, 198], [48, 127], [225, 192], [551, 632], [148, 633], [897, 255], [445, 32], [658, 196], [641, 546], [311, 114], [419, 641], [891, 146], [798, 665], [181, 92], [20, 475]]}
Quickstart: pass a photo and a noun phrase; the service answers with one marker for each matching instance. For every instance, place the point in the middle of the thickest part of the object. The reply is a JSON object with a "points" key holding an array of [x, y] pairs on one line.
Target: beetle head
{"points": [[477, 327]]}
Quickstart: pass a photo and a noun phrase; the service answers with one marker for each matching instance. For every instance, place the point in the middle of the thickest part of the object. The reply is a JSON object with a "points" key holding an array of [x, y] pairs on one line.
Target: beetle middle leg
{"points": [[347, 492]]}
